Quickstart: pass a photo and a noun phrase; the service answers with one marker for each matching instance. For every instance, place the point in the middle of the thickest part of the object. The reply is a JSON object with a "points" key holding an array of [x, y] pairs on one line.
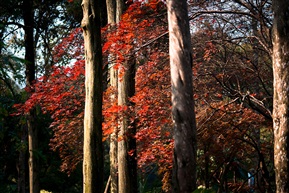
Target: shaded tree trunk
{"points": [[127, 174], [28, 16], [22, 163], [93, 147], [281, 93], [185, 145]]}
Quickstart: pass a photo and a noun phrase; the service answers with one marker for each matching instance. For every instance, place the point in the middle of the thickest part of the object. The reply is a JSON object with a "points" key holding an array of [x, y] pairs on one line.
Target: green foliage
{"points": [[204, 190], [9, 145], [150, 181]]}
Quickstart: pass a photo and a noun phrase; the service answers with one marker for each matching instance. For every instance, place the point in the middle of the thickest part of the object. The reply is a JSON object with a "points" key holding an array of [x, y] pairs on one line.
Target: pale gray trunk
{"points": [[93, 147], [185, 144], [281, 93]]}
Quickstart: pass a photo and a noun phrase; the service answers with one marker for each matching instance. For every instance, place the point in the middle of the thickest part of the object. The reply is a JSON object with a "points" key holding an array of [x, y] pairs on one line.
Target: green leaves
{"points": [[204, 190]]}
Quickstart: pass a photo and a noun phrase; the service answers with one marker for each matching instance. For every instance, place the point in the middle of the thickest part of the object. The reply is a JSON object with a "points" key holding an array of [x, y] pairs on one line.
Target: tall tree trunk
{"points": [[113, 139], [111, 19], [281, 93], [114, 12], [127, 175], [93, 147], [22, 163], [119, 10], [111, 11], [185, 144], [28, 16]]}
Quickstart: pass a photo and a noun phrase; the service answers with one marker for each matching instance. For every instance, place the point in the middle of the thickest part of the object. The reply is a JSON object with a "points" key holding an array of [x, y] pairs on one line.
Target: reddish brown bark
{"points": [[184, 171], [281, 93]]}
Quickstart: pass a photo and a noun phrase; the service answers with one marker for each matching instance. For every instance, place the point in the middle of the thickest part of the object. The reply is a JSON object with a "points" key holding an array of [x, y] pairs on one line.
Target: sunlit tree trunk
{"points": [[28, 16], [114, 12], [113, 139], [281, 93], [119, 9], [111, 11], [111, 19], [127, 175], [93, 147], [122, 165], [185, 146]]}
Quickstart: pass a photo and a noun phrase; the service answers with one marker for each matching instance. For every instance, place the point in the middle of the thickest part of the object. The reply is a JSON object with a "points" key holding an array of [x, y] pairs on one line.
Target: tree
{"points": [[280, 57], [114, 12], [92, 147], [61, 94], [37, 20], [127, 144], [30, 78], [185, 143], [227, 54], [229, 33], [228, 146]]}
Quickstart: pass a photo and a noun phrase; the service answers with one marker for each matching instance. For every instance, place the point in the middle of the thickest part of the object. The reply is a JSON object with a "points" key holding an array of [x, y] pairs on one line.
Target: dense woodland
{"points": [[144, 96]]}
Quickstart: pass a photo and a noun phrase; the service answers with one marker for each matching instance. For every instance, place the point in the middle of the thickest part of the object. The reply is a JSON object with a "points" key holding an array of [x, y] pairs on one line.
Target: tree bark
{"points": [[185, 145], [281, 93], [119, 10], [113, 139], [22, 163], [127, 174], [28, 16], [111, 11], [93, 147], [114, 11]]}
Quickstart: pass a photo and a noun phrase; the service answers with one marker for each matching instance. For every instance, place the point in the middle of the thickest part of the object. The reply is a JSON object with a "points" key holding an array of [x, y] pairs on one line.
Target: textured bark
{"points": [[28, 16], [119, 9], [111, 11], [114, 11], [113, 140], [281, 93], [33, 148], [93, 147], [184, 169], [127, 174], [22, 164]]}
